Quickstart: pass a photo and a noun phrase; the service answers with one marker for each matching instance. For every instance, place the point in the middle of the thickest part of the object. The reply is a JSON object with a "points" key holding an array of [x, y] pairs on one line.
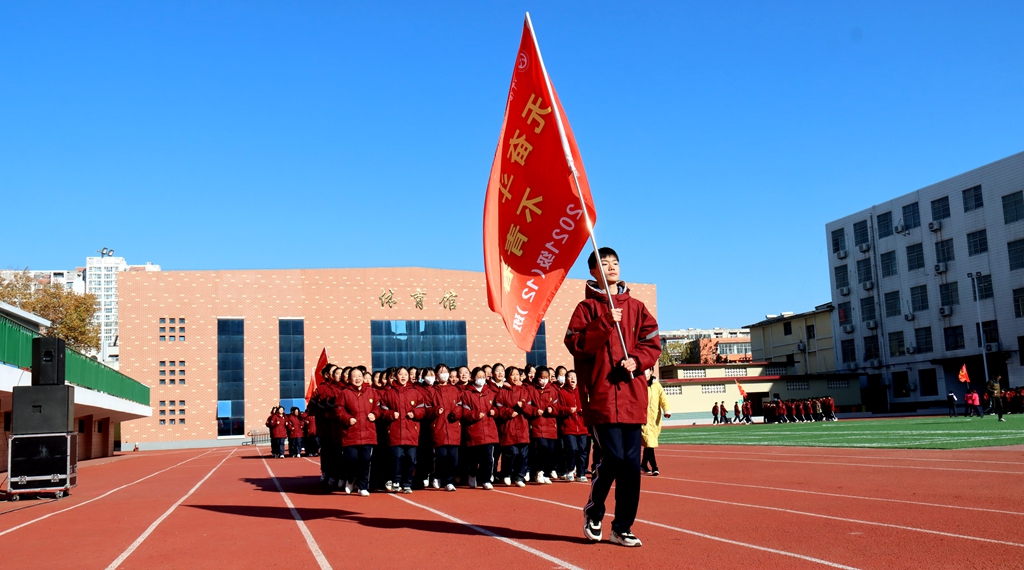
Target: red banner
{"points": [[963, 377], [314, 376], [743, 393], [534, 223]]}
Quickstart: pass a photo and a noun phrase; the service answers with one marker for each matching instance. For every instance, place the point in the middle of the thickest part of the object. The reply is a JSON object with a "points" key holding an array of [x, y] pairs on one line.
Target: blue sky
{"points": [[719, 137]]}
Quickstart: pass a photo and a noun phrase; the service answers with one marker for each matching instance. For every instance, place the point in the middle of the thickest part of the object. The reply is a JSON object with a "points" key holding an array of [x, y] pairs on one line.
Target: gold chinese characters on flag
{"points": [[534, 222]]}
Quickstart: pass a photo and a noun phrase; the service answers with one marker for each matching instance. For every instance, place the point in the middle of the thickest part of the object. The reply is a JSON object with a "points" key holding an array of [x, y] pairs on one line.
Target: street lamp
{"points": [[977, 303]]}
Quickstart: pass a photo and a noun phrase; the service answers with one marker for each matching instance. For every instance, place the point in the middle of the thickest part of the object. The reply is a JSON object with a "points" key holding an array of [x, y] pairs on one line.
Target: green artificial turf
{"points": [[903, 433]]}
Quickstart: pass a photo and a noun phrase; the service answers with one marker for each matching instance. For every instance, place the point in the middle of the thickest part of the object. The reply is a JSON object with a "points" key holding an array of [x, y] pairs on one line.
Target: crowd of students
{"points": [[741, 413], [797, 411], [406, 428]]}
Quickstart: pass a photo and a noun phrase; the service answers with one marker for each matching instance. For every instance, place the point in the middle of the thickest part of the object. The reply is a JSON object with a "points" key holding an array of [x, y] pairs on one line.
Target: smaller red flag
{"points": [[743, 393], [314, 376], [963, 374]]}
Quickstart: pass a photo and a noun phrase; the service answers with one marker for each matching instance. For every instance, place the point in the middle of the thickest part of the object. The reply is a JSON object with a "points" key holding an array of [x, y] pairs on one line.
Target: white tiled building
{"points": [[906, 314], [101, 280]]}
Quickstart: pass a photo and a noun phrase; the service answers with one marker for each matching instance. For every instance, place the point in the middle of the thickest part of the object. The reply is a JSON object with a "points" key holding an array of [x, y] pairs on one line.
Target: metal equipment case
{"points": [[42, 463]]}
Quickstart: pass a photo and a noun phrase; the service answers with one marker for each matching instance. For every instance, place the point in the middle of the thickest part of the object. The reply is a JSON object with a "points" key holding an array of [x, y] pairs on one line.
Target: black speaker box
{"points": [[43, 409], [47, 361]]}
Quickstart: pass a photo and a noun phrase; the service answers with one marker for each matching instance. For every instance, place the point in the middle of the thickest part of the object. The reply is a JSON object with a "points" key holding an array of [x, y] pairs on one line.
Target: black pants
{"points": [[277, 446], [311, 445], [952, 409], [514, 461], [446, 459], [357, 459], [481, 462], [997, 407], [294, 446], [405, 463], [620, 464], [573, 448], [543, 459], [649, 463]]}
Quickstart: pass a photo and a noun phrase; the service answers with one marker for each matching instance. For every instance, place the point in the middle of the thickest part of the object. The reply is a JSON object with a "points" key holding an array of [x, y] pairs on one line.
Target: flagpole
{"points": [[575, 176]]}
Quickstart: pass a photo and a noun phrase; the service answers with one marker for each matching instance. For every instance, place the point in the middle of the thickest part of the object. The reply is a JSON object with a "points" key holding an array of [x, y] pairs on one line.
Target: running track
{"points": [[713, 507]]}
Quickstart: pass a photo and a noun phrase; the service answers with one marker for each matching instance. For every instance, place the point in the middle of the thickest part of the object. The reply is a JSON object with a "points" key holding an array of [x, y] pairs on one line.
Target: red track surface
{"points": [[713, 507]]}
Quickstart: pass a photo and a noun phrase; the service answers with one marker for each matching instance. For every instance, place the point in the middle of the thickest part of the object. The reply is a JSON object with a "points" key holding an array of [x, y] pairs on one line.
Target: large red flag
{"points": [[534, 222], [314, 376], [963, 377]]}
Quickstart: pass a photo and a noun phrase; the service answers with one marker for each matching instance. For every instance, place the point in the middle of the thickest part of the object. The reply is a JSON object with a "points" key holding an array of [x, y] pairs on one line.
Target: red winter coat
{"points": [[714, 410], [309, 424], [403, 431], [609, 393], [278, 425], [445, 415], [294, 426], [358, 404], [326, 396], [512, 430], [570, 423], [479, 431], [543, 426]]}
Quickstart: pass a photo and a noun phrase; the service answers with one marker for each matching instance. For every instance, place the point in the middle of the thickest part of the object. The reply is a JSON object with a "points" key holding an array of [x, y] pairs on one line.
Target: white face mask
{"points": [[542, 382], [429, 380], [561, 379], [479, 382], [444, 376]]}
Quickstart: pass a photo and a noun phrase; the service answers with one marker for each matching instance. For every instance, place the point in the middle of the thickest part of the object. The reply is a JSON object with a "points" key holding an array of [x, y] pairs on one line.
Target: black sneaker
{"points": [[592, 529], [625, 539], [655, 473]]}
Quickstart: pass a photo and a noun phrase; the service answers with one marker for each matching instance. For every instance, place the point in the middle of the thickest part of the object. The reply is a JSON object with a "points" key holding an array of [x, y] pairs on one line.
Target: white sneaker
{"points": [[569, 477], [527, 477], [554, 475], [389, 486], [406, 490], [435, 484], [472, 482], [488, 487], [543, 479], [348, 488], [364, 493], [520, 484], [507, 481], [582, 479], [426, 483], [625, 539], [449, 487]]}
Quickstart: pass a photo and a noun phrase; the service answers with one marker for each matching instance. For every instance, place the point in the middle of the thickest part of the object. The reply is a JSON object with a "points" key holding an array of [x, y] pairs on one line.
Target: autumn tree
{"points": [[70, 314]]}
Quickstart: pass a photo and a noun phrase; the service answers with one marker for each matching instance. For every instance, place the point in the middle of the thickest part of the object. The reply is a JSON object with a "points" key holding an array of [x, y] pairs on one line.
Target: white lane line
{"points": [[310, 541], [842, 496], [702, 535], [894, 458], [149, 530], [841, 519], [24, 524], [819, 463], [561, 563]]}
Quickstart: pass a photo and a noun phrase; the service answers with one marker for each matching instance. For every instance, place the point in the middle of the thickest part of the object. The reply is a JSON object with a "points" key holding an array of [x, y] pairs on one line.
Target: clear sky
{"points": [[719, 137]]}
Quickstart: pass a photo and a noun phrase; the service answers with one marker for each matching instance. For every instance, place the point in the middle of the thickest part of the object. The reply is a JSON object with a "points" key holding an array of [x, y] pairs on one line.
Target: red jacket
{"points": [[479, 431], [570, 423], [444, 414], [309, 424], [512, 430], [294, 426], [358, 404], [326, 396], [609, 393], [403, 431], [540, 399], [278, 425], [714, 410]]}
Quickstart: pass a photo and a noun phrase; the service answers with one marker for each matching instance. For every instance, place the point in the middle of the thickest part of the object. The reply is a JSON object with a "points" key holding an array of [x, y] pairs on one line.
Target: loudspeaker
{"points": [[47, 361], [43, 409]]}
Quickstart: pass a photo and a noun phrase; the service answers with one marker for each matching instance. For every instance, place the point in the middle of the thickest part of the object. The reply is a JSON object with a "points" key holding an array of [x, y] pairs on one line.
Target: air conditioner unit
{"points": [[871, 325], [946, 311], [935, 226], [899, 228], [848, 329], [940, 267], [868, 285], [992, 347], [851, 365], [864, 247], [908, 316], [801, 346], [911, 349], [875, 363], [841, 254], [844, 291]]}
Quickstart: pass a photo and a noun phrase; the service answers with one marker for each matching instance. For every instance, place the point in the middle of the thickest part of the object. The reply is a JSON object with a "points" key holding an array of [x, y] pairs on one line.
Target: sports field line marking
{"points": [[937, 460], [871, 465], [842, 496], [841, 519], [149, 530], [702, 535], [83, 503], [561, 563], [310, 541]]}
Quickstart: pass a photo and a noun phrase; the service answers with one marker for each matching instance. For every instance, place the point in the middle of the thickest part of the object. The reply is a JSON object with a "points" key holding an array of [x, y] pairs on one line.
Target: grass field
{"points": [[912, 433]]}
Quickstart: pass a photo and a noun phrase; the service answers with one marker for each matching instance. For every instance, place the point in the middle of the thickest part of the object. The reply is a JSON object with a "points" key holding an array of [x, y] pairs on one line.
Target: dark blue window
{"points": [[291, 340], [538, 355], [230, 377], [418, 343]]}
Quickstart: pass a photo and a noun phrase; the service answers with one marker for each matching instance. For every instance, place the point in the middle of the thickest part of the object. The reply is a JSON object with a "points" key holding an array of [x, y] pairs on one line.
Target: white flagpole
{"points": [[575, 176]]}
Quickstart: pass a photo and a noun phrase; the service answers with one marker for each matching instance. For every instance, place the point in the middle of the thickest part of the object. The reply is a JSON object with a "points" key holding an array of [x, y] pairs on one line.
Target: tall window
{"points": [[863, 270], [838, 240], [982, 284], [842, 276], [949, 293], [940, 208], [977, 242], [892, 304], [896, 347], [867, 309], [944, 250], [973, 199], [871, 347], [1015, 250], [845, 314], [1018, 305], [860, 233], [884, 222], [538, 355], [954, 337], [915, 256], [1013, 207], [989, 331], [888, 261], [911, 216], [849, 350], [292, 358], [230, 377], [417, 343], [923, 340], [919, 298]]}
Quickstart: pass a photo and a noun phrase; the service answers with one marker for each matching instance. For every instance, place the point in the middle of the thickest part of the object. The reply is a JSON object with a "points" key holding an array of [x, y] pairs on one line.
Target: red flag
{"points": [[314, 376], [534, 222], [963, 374], [743, 393]]}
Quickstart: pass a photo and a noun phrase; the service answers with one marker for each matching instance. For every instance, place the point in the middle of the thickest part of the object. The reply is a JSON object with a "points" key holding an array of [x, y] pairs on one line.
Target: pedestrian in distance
{"points": [[657, 404], [278, 425], [714, 414], [995, 390], [951, 402], [294, 432]]}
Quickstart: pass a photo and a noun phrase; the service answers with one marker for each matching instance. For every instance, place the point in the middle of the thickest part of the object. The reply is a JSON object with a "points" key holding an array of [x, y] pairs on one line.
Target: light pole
{"points": [[103, 345], [977, 304]]}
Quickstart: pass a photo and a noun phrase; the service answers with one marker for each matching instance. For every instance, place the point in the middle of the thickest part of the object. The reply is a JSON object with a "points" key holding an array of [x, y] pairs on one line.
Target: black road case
{"points": [[42, 463]]}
